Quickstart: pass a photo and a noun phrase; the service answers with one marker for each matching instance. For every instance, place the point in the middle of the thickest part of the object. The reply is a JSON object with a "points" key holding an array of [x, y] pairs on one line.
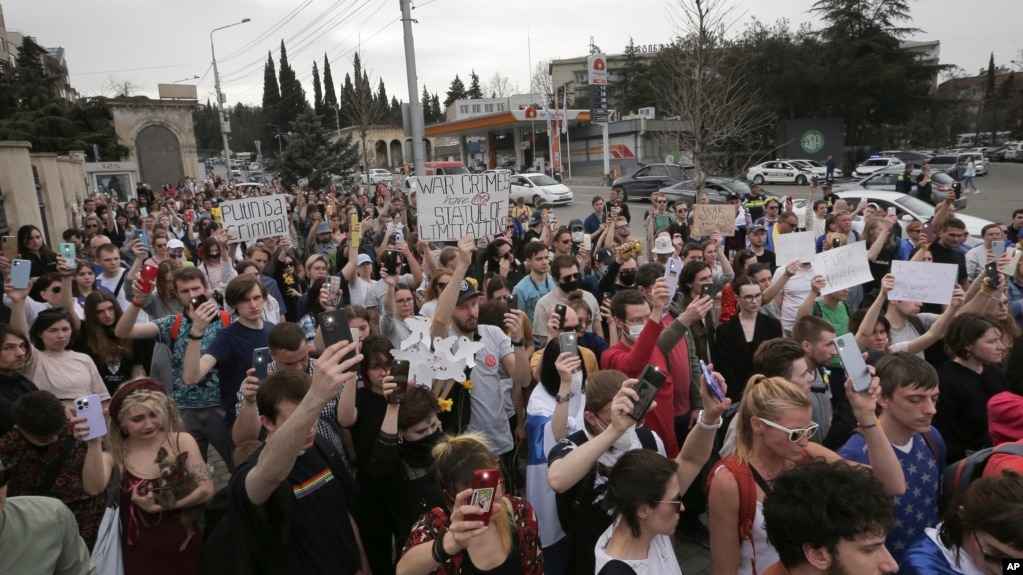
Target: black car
{"points": [[717, 190], [652, 177], [909, 157]]}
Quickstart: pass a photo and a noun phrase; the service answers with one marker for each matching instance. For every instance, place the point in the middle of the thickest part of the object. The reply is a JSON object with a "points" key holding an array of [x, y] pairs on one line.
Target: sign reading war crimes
{"points": [[453, 206], [255, 218], [708, 219], [843, 267], [925, 282]]}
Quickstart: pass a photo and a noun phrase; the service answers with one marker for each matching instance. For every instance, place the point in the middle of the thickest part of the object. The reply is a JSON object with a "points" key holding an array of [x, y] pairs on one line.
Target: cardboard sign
{"points": [[255, 218], [925, 282], [708, 219], [800, 246], [843, 267], [455, 205]]}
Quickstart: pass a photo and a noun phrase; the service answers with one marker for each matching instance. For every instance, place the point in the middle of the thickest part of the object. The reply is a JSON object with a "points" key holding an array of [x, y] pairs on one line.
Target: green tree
{"points": [[425, 102], [474, 92], [317, 93], [456, 91], [311, 154], [634, 84], [33, 88], [57, 129], [271, 102], [329, 93], [347, 98], [293, 101], [438, 115], [363, 107]]}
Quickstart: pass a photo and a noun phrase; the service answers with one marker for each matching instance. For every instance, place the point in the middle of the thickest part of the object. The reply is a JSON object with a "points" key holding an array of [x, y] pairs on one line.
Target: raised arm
{"points": [[197, 364], [874, 311], [67, 298], [771, 293], [449, 296], [816, 285], [126, 327]]}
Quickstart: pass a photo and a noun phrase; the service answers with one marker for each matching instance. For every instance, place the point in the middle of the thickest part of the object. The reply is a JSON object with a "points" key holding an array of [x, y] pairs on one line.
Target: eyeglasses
{"points": [[622, 227], [661, 202], [752, 298], [289, 264], [569, 328], [442, 286], [993, 559], [508, 256], [570, 277], [403, 301], [163, 245], [795, 435], [565, 241], [54, 289], [91, 226], [677, 502], [772, 207], [792, 224], [6, 474]]}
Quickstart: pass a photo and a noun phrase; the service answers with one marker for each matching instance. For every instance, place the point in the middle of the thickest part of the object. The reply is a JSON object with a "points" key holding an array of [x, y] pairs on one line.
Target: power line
{"points": [[274, 28], [133, 69]]}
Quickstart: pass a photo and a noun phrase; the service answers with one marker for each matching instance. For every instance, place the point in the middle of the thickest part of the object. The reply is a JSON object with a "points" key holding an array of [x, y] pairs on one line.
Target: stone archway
{"points": [[380, 154], [159, 154], [396, 154]]}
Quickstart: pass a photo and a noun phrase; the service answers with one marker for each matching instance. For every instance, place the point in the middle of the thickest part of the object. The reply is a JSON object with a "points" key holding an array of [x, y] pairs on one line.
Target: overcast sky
{"points": [[147, 42]]}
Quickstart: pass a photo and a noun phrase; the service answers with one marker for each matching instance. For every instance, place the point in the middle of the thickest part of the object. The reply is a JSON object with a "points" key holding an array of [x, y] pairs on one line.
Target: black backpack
{"points": [[959, 475]]}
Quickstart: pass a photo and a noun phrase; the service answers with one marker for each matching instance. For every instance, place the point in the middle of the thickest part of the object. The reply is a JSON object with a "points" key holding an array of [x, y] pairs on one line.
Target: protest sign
{"points": [[843, 267], [255, 218], [708, 219], [925, 282], [800, 246], [455, 205]]}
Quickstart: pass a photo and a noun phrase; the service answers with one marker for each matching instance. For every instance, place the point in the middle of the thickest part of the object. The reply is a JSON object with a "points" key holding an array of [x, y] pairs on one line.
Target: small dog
{"points": [[175, 483]]}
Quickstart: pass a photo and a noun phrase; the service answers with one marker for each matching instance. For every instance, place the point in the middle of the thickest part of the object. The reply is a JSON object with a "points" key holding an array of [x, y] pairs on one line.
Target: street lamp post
{"points": [[220, 96]]}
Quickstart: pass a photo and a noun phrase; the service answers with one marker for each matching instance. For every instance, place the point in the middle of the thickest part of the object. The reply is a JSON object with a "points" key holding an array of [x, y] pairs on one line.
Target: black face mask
{"points": [[627, 278], [420, 452], [570, 285]]}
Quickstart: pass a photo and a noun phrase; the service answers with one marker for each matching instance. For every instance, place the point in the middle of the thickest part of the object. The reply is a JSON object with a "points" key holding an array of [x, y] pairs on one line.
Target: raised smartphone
{"points": [[484, 490], [650, 382], [144, 211], [399, 370], [334, 290], [587, 242], [10, 246], [21, 272], [998, 248], [568, 343], [852, 360], [513, 302], [836, 242], [891, 211], [142, 236], [671, 272], [334, 327], [91, 408], [390, 262], [560, 310], [198, 301], [707, 290], [69, 252], [260, 361], [712, 382], [147, 277]]}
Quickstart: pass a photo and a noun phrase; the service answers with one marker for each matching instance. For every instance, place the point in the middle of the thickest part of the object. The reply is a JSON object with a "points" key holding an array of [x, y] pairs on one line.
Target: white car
{"points": [[874, 164], [819, 169], [781, 171], [538, 189], [377, 175]]}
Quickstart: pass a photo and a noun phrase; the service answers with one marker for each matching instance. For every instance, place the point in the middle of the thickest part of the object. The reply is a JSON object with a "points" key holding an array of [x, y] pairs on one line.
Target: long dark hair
{"points": [[98, 341], [312, 306], [550, 379], [44, 250]]}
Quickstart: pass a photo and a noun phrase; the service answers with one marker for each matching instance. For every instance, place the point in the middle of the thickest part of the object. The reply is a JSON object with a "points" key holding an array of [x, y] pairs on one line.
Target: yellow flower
{"points": [[467, 384], [473, 282], [444, 404], [288, 280]]}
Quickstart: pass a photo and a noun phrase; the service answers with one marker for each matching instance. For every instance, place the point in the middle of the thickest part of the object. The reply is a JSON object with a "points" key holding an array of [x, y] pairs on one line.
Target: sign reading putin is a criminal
{"points": [[456, 205], [255, 218]]}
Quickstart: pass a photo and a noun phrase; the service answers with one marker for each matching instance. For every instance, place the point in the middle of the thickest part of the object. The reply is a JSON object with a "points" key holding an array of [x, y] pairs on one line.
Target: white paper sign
{"points": [[800, 246], [925, 282], [843, 267], [255, 218], [453, 206]]}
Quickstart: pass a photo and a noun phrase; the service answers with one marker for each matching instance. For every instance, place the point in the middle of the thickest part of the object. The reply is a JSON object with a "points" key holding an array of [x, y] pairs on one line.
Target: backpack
{"points": [[225, 320], [746, 479], [959, 475]]}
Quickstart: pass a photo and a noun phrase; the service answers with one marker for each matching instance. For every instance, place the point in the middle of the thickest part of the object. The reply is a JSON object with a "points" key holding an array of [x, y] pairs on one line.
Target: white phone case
{"points": [[852, 361], [671, 273], [91, 408]]}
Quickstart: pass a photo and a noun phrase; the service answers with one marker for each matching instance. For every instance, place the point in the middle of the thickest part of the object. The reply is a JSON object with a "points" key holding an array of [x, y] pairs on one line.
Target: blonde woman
{"points": [[143, 421], [773, 431]]}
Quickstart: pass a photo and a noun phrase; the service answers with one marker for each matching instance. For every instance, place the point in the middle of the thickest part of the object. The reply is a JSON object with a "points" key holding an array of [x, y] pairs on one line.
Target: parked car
{"points": [[819, 169], [887, 180], [996, 154], [1014, 152], [872, 165], [907, 209], [915, 157], [780, 171], [538, 189], [948, 163], [650, 178], [979, 163], [376, 176], [717, 190]]}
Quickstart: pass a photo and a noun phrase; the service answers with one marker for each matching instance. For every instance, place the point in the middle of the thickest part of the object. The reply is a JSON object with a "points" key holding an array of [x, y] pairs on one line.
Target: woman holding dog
{"points": [[163, 477]]}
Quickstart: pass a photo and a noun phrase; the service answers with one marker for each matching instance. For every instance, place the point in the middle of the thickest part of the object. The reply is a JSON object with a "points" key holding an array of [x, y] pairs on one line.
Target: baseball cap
{"points": [[466, 292], [732, 196], [364, 259], [535, 218], [323, 228], [576, 223], [826, 187], [662, 245], [757, 228], [604, 256], [174, 244]]}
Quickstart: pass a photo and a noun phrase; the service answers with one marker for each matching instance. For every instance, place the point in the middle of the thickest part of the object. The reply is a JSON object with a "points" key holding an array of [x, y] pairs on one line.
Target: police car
{"points": [[780, 171]]}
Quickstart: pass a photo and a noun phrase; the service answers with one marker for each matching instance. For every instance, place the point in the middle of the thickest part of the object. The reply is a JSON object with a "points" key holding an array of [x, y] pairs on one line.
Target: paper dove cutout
{"points": [[420, 366], [467, 350], [442, 347], [420, 327]]}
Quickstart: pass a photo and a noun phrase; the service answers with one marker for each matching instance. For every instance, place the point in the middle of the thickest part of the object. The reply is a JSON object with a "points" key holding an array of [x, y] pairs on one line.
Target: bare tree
{"points": [[119, 88], [500, 86], [703, 84], [542, 85]]}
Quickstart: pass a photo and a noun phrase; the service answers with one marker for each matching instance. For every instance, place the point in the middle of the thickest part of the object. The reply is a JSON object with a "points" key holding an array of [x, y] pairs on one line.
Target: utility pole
{"points": [[224, 128], [415, 109]]}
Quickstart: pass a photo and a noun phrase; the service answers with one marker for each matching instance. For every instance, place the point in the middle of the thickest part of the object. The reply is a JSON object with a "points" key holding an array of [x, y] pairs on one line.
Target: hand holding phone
{"points": [[712, 381], [91, 408], [650, 382], [852, 360], [568, 343], [484, 491], [21, 273], [560, 311], [334, 328], [68, 251], [260, 362], [147, 277], [399, 371]]}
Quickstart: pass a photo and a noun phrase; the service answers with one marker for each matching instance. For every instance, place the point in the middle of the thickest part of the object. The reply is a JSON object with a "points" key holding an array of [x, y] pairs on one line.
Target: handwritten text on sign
{"points": [[255, 218], [843, 267], [453, 206], [708, 219], [800, 246], [925, 282]]}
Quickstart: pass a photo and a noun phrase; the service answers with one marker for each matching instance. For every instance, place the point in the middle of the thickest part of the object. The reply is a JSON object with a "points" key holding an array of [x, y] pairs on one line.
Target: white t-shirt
{"points": [[122, 293], [660, 560], [793, 294]]}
